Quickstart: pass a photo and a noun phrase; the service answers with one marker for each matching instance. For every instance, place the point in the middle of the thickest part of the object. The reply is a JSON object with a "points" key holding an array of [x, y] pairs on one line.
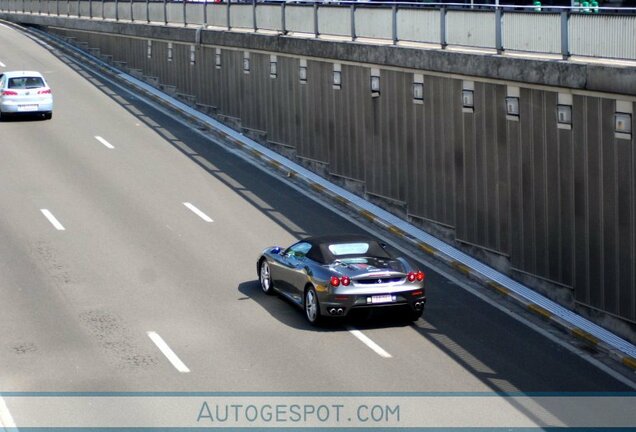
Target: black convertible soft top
{"points": [[320, 252]]}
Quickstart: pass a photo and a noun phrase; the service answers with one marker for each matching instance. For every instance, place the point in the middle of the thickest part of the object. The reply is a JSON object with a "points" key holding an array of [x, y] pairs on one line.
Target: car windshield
{"points": [[25, 82]]}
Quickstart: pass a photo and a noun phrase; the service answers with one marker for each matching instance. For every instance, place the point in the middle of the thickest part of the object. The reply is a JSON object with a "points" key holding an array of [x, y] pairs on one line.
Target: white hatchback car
{"points": [[25, 92]]}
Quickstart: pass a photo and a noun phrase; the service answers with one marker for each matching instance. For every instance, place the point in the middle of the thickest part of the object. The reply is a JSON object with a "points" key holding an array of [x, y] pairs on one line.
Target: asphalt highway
{"points": [[123, 232]]}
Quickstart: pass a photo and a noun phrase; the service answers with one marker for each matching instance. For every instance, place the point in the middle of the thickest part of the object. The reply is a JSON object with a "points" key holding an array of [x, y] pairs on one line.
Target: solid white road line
{"points": [[6, 421], [170, 355], [103, 141], [58, 226], [198, 212], [368, 342]]}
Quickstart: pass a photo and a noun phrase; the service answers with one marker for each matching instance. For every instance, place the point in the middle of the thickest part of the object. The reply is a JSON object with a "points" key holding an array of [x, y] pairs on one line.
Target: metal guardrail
{"points": [[565, 31]]}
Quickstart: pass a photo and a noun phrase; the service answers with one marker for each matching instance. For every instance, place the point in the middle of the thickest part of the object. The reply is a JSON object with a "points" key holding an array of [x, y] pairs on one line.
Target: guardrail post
{"points": [[229, 26], [442, 28], [23, 6], [165, 13], [254, 15], [316, 19], [498, 30], [565, 42], [39, 7], [57, 7], [79, 12], [283, 23], [205, 14], [132, 17], [185, 14], [394, 24], [68, 8], [353, 22], [116, 10], [147, 11]]}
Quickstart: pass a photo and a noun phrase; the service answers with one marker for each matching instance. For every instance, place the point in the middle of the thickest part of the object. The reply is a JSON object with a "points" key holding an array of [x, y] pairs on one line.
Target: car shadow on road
{"points": [[21, 118], [288, 313]]}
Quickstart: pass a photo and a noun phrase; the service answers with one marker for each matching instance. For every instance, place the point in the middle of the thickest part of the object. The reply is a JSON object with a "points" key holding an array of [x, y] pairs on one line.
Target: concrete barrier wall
{"points": [[606, 36], [195, 14], [373, 23], [85, 9], [242, 16], [299, 19], [268, 17], [532, 32], [123, 11], [108, 12], [174, 12], [334, 21], [418, 25], [217, 15], [140, 13], [155, 11], [470, 28]]}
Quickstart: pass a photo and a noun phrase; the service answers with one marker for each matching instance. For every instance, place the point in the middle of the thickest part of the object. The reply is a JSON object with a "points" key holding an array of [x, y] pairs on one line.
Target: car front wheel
{"points": [[312, 307], [265, 277]]}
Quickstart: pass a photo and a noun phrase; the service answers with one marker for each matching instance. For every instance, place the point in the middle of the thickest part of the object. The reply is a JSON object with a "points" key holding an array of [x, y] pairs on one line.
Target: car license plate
{"points": [[27, 107], [382, 298]]}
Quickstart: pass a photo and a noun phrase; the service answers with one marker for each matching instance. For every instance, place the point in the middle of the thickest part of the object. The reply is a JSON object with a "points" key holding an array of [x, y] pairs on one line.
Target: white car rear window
{"points": [[25, 82], [349, 249]]}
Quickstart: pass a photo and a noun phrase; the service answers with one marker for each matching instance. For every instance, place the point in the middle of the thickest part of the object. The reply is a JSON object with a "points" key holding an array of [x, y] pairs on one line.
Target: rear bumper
{"points": [[330, 306], [23, 107]]}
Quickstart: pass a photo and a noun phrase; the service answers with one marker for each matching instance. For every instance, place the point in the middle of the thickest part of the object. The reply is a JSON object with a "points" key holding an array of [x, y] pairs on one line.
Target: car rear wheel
{"points": [[312, 307], [265, 276]]}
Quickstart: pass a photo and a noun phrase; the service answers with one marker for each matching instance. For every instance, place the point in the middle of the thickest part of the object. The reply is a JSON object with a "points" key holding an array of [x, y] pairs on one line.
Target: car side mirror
{"points": [[276, 250]]}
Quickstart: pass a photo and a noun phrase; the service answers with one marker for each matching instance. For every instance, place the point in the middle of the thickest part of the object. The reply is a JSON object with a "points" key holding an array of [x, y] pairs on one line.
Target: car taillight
{"points": [[334, 281], [9, 93], [411, 277], [47, 91], [420, 276], [345, 280], [417, 293]]}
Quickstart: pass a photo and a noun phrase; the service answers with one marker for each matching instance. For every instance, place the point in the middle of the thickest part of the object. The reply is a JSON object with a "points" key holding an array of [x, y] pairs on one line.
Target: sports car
{"points": [[329, 276]]}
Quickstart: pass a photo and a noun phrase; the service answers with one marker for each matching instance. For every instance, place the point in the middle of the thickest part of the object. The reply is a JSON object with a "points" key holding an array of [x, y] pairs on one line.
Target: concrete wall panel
{"points": [[418, 25]]}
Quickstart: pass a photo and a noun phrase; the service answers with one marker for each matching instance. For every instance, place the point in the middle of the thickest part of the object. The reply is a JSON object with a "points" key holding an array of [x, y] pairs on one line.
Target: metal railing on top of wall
{"points": [[607, 33]]}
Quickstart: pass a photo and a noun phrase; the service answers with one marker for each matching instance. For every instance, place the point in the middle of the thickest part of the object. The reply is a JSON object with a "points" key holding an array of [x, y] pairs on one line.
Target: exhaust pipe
{"points": [[340, 311]]}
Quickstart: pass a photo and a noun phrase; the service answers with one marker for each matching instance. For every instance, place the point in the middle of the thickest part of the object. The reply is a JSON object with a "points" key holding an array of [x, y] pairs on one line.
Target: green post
{"points": [[537, 5], [586, 7]]}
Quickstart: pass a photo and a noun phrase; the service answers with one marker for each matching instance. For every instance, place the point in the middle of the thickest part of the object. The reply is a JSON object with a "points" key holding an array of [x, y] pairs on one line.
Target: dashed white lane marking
{"points": [[2, 64], [6, 421], [368, 342], [170, 355], [103, 141], [47, 214], [198, 212]]}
